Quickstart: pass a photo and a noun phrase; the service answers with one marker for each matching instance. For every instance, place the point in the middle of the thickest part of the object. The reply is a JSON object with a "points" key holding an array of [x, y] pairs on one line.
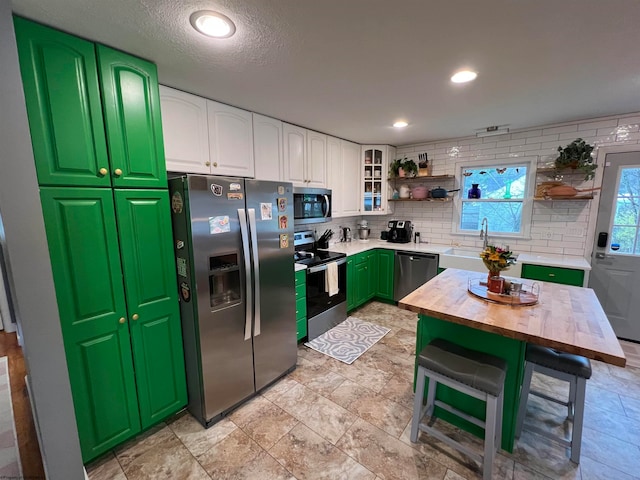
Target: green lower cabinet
{"points": [[566, 276], [351, 283], [386, 259], [301, 304], [372, 267], [123, 341], [511, 350]]}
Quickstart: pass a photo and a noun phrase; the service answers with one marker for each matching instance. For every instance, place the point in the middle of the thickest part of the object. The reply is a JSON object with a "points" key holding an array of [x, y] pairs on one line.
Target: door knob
{"points": [[215, 164], [103, 171], [117, 172], [208, 164], [122, 320], [135, 316]]}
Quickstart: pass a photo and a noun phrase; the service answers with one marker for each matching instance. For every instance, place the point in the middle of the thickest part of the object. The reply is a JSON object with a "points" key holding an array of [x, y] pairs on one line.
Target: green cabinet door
{"points": [[146, 248], [60, 80], [85, 258], [362, 283], [131, 103], [566, 276], [372, 266], [351, 283], [385, 274]]}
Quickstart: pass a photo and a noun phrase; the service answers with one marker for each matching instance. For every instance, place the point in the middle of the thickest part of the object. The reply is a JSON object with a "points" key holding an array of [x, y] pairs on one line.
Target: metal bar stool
{"points": [[564, 366], [475, 373]]}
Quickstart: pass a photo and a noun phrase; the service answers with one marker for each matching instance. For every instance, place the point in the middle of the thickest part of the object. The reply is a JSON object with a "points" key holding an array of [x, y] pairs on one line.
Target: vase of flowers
{"points": [[497, 259]]}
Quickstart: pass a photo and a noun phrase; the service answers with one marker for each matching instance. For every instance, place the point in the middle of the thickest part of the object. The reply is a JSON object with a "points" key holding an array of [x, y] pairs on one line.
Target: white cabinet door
{"points": [[267, 148], [295, 154], [184, 128], [350, 176], [334, 176], [316, 166], [230, 140]]}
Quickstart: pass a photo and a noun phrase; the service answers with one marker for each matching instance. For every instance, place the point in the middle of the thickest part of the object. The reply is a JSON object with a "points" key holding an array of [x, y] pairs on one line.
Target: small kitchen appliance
{"points": [[400, 231], [363, 230]]}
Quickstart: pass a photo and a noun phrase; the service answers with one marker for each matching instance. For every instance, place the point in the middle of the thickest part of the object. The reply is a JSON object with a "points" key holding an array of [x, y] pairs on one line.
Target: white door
{"points": [[316, 168], [267, 148], [615, 273], [230, 140], [350, 178], [184, 128], [295, 154]]}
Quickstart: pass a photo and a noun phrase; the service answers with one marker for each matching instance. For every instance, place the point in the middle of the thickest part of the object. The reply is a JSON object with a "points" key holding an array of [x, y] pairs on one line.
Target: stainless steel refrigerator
{"points": [[233, 240]]}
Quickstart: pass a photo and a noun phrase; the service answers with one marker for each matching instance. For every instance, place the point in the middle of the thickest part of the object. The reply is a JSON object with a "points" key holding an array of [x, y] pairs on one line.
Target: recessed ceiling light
{"points": [[400, 124], [464, 76], [212, 24]]}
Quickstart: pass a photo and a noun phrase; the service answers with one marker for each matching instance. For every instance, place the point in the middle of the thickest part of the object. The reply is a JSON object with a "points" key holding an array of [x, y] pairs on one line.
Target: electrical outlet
{"points": [[546, 234]]}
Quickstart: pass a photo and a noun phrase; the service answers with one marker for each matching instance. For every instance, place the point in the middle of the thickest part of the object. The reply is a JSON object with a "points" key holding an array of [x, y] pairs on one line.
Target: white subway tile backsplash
{"points": [[598, 124], [526, 133], [560, 130]]}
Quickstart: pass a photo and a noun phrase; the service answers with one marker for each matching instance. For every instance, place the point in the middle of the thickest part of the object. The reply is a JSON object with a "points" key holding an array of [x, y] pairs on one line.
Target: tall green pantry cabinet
{"points": [[94, 116]]}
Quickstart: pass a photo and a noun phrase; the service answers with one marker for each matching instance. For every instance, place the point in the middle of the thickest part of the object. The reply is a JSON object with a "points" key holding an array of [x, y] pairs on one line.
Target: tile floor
{"points": [[329, 420]]}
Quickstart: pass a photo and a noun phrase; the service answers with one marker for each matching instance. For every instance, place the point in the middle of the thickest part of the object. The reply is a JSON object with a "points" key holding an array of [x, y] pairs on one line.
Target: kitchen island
{"points": [[566, 318]]}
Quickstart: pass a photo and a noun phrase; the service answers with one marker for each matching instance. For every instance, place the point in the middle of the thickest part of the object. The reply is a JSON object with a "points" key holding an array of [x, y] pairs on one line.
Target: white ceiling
{"points": [[350, 68]]}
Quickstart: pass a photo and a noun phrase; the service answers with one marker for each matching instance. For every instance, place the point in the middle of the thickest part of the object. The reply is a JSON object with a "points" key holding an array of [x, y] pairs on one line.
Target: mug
{"points": [[495, 284]]}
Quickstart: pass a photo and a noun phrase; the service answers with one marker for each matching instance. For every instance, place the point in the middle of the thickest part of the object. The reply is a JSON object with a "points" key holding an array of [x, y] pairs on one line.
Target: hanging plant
{"points": [[577, 156]]}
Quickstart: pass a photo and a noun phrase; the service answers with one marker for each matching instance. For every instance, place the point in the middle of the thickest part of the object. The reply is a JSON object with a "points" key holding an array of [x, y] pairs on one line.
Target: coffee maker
{"points": [[399, 231]]}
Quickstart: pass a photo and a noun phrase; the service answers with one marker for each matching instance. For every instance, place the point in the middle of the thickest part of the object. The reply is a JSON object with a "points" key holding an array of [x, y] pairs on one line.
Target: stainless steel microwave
{"points": [[311, 205]]}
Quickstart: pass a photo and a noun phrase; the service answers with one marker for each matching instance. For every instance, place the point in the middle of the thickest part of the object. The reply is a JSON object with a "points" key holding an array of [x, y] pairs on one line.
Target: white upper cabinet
{"points": [[316, 166], [184, 127], [343, 163], [295, 154], [374, 167], [230, 140], [203, 136], [350, 178], [268, 148]]}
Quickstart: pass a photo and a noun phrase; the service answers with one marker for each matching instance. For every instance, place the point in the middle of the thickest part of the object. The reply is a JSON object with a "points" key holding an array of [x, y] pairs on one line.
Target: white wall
{"points": [[434, 219], [31, 270]]}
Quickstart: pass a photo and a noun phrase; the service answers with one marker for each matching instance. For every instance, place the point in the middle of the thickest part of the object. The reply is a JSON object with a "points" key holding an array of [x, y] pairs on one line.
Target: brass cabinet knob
{"points": [[103, 171], [122, 320], [135, 316], [208, 164], [215, 164], [118, 172]]}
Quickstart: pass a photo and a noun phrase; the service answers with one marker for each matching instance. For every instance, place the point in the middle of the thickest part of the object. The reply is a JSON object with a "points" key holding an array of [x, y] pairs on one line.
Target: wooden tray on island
{"points": [[528, 295]]}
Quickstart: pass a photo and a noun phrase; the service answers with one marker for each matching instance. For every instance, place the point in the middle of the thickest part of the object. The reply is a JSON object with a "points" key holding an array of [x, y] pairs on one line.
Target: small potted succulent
{"points": [[403, 167], [577, 156]]}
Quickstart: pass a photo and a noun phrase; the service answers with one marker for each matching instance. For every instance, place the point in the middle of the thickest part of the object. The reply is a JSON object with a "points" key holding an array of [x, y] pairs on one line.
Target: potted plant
{"points": [[577, 155], [403, 167]]}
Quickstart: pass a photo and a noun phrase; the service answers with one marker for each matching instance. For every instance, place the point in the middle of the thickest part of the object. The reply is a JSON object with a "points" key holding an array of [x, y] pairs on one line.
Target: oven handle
{"points": [[328, 205], [321, 268], [247, 272]]}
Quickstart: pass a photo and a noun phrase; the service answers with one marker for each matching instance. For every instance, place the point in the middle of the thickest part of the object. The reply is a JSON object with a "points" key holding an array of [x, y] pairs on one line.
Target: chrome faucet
{"points": [[484, 232]]}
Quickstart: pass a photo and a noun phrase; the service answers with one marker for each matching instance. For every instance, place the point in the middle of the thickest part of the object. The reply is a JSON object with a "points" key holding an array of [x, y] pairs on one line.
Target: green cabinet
{"points": [[95, 124], [372, 267], [123, 341], [566, 276], [351, 283], [386, 264], [74, 90], [301, 304]]}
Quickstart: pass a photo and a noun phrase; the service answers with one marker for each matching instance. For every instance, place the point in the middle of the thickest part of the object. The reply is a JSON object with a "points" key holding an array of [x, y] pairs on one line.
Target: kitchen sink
{"points": [[467, 259]]}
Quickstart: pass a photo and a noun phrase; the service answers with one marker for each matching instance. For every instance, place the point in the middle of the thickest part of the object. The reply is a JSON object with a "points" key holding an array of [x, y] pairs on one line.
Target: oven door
{"points": [[311, 205], [318, 299]]}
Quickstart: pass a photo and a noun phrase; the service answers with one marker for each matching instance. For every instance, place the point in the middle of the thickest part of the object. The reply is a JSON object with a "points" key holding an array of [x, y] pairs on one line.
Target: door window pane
{"points": [[626, 219]]}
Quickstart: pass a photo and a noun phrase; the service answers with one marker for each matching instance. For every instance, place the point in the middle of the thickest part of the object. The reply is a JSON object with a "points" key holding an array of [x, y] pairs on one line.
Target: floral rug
{"points": [[348, 340], [10, 466]]}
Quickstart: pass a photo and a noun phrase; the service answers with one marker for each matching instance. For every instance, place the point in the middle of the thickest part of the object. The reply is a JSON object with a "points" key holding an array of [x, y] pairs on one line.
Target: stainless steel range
{"points": [[324, 311]]}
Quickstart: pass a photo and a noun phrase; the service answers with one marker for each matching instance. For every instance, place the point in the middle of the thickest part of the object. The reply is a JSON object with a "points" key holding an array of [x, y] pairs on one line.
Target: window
{"points": [[625, 228], [499, 191]]}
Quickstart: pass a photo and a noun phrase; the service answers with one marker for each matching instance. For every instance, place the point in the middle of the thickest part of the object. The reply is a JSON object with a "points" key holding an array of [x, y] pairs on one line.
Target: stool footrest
{"points": [[460, 413], [545, 433], [547, 397], [451, 442]]}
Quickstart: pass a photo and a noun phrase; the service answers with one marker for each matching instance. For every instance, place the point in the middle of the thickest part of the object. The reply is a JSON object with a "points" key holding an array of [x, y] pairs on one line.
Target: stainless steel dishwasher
{"points": [[411, 271]]}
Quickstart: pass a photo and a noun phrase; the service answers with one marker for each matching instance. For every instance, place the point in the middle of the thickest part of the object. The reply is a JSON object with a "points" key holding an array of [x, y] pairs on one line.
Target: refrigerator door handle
{"points": [[256, 270], [247, 271]]}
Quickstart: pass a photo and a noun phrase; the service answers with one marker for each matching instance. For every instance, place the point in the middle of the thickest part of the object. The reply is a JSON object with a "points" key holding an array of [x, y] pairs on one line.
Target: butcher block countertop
{"points": [[567, 318]]}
